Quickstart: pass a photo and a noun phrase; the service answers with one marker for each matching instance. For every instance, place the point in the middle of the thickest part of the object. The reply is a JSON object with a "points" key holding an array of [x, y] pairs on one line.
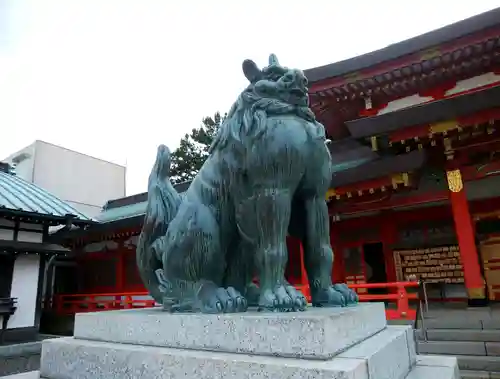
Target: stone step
{"points": [[466, 374], [459, 347], [386, 355], [461, 335], [492, 323], [451, 347], [479, 363], [317, 333], [454, 323], [463, 320]]}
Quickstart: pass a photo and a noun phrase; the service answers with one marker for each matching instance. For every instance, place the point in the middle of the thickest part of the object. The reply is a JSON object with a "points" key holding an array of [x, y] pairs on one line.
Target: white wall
{"points": [[24, 288], [84, 181]]}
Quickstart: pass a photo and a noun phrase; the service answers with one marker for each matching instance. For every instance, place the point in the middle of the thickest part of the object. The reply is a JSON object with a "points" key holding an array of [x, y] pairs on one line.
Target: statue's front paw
{"points": [[327, 297], [212, 299], [282, 298], [350, 296]]}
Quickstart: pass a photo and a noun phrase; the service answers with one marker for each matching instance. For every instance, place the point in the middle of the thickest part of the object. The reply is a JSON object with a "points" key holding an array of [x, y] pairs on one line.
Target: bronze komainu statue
{"points": [[266, 176]]}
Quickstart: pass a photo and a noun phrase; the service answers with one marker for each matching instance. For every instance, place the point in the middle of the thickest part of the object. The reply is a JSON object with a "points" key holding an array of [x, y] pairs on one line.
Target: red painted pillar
{"points": [[465, 234]]}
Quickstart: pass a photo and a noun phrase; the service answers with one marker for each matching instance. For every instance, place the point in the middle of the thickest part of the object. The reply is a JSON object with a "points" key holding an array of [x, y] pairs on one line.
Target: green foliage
{"points": [[192, 152]]}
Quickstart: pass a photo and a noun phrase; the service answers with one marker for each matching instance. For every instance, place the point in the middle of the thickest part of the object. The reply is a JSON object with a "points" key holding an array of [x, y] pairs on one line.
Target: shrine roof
{"points": [[433, 38], [123, 212], [378, 168], [436, 111], [21, 198], [130, 206], [348, 152]]}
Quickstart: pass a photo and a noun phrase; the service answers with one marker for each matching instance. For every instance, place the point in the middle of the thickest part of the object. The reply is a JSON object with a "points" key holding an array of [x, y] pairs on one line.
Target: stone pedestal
{"points": [[353, 343]]}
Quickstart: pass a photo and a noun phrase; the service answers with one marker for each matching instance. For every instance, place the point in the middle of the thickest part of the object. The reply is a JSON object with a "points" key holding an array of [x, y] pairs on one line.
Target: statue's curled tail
{"points": [[163, 203]]}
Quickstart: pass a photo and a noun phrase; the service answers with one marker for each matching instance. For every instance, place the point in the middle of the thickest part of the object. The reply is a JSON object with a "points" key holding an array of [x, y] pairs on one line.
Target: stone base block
{"points": [[385, 355], [318, 333], [24, 375], [71, 358]]}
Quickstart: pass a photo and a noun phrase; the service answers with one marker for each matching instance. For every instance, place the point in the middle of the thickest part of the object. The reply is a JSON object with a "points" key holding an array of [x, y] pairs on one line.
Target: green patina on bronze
{"points": [[267, 176]]}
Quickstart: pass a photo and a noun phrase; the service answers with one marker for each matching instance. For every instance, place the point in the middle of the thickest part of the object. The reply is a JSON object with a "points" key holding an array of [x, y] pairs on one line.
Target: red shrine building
{"points": [[416, 193]]}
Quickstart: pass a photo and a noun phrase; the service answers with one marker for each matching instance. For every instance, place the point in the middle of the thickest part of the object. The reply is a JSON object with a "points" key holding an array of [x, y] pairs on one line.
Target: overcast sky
{"points": [[115, 78]]}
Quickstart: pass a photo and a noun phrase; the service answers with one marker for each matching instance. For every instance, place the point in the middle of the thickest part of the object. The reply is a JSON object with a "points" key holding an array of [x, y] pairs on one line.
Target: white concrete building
{"points": [[26, 213], [85, 182]]}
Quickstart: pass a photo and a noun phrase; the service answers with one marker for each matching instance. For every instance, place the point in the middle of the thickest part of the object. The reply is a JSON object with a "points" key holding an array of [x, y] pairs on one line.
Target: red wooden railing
{"points": [[401, 297], [76, 303], [71, 304]]}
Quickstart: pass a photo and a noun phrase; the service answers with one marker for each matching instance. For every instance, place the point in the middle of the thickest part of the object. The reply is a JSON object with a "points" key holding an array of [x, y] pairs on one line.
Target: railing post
{"points": [[128, 302], [403, 305]]}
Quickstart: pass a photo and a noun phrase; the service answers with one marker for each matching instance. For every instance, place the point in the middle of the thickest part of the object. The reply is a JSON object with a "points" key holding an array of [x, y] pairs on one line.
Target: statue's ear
{"points": [[273, 60], [251, 71]]}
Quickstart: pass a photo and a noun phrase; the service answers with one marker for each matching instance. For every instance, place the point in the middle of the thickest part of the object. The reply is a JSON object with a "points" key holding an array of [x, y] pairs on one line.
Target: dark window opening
{"points": [[6, 273], [375, 266]]}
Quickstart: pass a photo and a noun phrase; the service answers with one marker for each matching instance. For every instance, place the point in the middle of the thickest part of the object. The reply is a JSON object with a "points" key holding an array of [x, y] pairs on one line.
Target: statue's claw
{"points": [[282, 298], [221, 300], [350, 296], [327, 297]]}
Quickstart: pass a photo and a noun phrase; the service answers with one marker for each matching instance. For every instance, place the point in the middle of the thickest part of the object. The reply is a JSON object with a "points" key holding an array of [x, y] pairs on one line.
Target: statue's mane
{"points": [[246, 121]]}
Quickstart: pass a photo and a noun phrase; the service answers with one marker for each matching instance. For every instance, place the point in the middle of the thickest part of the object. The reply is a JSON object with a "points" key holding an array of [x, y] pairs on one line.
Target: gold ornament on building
{"points": [[455, 183]]}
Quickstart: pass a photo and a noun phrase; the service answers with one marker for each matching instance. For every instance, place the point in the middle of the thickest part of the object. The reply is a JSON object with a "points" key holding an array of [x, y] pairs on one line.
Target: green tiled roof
{"points": [[18, 195], [120, 213], [130, 206]]}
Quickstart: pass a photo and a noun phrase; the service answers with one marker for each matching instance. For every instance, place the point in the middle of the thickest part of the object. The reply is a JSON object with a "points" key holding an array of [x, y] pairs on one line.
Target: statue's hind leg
{"points": [[241, 271], [263, 219], [195, 265]]}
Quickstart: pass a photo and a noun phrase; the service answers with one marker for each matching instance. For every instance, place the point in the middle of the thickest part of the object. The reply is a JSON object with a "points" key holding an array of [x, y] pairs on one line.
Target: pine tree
{"points": [[192, 152]]}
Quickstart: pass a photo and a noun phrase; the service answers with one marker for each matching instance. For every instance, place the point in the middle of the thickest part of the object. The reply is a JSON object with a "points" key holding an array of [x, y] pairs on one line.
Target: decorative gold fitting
{"points": [[455, 183], [374, 143], [406, 179]]}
